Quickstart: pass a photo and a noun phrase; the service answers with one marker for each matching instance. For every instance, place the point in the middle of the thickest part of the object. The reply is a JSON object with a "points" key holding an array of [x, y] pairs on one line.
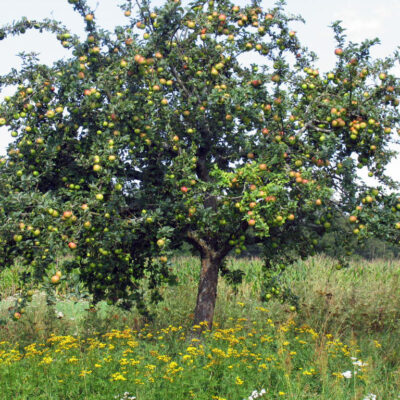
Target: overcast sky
{"points": [[361, 18]]}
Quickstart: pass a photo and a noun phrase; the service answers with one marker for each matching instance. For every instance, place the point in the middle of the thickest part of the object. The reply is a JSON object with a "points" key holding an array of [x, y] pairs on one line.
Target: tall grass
{"points": [[356, 308]]}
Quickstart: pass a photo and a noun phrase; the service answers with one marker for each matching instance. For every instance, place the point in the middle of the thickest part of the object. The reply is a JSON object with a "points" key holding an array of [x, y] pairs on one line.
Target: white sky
{"points": [[361, 18]]}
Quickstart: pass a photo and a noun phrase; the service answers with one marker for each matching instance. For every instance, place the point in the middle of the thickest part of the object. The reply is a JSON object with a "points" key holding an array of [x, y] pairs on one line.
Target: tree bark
{"points": [[207, 291]]}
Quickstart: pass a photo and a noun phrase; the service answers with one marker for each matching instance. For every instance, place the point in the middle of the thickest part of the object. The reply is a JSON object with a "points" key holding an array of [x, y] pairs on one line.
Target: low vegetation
{"points": [[339, 345]]}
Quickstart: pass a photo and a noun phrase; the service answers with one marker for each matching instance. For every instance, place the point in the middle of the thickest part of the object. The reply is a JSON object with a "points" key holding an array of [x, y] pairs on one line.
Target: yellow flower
{"points": [[117, 376], [85, 372], [281, 393], [46, 360], [238, 381]]}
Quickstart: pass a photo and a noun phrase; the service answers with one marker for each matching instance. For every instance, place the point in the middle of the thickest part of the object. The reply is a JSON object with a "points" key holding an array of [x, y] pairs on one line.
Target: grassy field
{"points": [[341, 344]]}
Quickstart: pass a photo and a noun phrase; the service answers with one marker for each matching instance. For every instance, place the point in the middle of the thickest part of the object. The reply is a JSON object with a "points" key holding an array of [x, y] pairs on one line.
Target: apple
{"points": [[89, 17], [251, 222], [17, 238], [67, 214], [318, 202], [184, 189], [96, 167], [352, 218], [72, 245], [55, 279], [160, 242], [50, 114], [265, 131], [339, 51], [99, 196]]}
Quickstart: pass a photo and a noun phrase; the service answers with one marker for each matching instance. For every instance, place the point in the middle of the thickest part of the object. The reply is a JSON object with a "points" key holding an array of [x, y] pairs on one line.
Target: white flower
{"points": [[370, 396], [347, 374], [359, 363], [255, 394], [59, 314]]}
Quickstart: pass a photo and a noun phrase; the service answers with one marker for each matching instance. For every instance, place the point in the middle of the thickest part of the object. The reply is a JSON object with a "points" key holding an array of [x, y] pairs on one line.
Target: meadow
{"points": [[341, 343]]}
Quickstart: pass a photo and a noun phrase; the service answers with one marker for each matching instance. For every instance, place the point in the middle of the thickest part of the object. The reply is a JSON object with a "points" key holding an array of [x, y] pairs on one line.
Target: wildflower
{"points": [[370, 396], [84, 373], [359, 363], [46, 360], [126, 396], [238, 381], [347, 374], [117, 376], [255, 394]]}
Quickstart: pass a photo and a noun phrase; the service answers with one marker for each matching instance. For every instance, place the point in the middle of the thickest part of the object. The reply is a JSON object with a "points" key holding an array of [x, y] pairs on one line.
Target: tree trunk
{"points": [[207, 291]]}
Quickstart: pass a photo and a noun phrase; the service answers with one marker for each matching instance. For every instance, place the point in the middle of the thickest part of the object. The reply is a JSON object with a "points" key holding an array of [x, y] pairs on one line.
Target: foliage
{"points": [[139, 143]]}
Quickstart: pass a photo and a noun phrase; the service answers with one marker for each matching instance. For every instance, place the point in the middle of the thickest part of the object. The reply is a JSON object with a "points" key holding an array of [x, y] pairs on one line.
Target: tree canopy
{"points": [[166, 132]]}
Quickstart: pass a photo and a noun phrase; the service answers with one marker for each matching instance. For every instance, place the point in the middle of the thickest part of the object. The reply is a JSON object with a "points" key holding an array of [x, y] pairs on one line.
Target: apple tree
{"points": [[208, 125]]}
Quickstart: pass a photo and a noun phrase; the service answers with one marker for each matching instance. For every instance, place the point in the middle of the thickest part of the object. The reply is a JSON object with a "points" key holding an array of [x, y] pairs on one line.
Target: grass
{"points": [[254, 346]]}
